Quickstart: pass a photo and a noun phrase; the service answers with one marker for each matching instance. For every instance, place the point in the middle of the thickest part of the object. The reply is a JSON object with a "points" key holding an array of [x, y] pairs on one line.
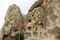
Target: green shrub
{"points": [[19, 36]]}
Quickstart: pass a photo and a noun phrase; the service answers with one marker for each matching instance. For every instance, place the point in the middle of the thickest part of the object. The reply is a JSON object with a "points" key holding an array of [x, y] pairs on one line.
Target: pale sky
{"points": [[23, 4]]}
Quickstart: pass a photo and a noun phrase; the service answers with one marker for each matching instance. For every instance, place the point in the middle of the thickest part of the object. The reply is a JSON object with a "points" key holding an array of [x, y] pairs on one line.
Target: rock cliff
{"points": [[13, 19], [44, 20]]}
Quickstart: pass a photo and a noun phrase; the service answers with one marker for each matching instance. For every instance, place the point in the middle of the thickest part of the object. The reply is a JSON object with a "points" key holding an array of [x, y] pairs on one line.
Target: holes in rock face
{"points": [[35, 34], [29, 20], [11, 19], [58, 36], [29, 28], [7, 24], [36, 28], [15, 29], [41, 24], [34, 18], [32, 15], [5, 36], [35, 23]]}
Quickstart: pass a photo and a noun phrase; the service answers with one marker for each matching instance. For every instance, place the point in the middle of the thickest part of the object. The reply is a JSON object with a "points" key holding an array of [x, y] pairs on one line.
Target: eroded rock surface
{"points": [[13, 19], [39, 14], [42, 21]]}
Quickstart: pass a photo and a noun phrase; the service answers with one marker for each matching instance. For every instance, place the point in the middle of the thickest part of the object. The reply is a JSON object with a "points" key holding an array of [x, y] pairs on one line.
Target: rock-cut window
{"points": [[29, 20], [29, 28], [11, 19]]}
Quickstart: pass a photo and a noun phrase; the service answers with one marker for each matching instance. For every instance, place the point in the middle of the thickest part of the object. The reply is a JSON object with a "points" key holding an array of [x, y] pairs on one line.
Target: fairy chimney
{"points": [[13, 19]]}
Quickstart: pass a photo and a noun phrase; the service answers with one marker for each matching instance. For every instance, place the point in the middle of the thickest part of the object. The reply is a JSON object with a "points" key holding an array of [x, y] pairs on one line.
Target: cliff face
{"points": [[53, 17], [35, 25], [53, 12], [37, 11], [44, 20], [13, 19]]}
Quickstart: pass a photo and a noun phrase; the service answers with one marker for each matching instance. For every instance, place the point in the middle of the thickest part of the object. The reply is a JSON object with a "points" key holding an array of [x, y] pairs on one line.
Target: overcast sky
{"points": [[23, 4]]}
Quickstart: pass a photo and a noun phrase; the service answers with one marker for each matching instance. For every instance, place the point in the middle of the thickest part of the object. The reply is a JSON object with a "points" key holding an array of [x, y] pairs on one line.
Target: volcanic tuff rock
{"points": [[13, 19], [36, 4], [47, 16], [42, 21], [35, 16], [53, 17]]}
